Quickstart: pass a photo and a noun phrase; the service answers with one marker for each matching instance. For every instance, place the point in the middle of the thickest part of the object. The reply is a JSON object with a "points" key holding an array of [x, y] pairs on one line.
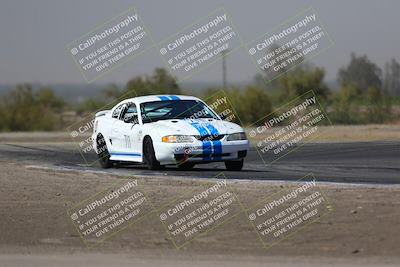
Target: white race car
{"points": [[161, 130]]}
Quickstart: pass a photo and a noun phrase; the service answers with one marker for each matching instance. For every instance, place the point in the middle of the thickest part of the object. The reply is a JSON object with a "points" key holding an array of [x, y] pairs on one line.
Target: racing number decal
{"points": [[127, 141]]}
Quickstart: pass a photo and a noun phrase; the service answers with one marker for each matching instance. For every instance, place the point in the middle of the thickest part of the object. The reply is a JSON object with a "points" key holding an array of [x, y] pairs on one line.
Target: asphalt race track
{"points": [[352, 162]]}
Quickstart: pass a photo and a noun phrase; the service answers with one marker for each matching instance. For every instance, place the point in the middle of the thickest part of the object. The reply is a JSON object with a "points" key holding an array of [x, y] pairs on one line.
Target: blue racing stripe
{"points": [[213, 131], [216, 143], [203, 131], [174, 97], [207, 150], [163, 98], [207, 145], [217, 149]]}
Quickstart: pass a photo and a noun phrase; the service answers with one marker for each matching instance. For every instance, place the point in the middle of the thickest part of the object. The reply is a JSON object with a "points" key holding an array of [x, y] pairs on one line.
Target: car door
{"points": [[127, 135], [114, 136]]}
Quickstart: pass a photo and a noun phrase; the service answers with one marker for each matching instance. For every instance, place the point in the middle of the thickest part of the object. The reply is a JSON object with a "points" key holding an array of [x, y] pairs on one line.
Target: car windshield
{"points": [[175, 109]]}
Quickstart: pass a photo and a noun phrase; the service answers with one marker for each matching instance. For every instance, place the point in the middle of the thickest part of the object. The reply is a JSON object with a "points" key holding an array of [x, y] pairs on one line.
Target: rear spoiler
{"points": [[102, 113]]}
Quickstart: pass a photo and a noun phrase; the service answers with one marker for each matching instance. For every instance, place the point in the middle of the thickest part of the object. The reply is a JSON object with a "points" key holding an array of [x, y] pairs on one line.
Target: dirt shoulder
{"points": [[349, 133], [338, 133], [364, 223]]}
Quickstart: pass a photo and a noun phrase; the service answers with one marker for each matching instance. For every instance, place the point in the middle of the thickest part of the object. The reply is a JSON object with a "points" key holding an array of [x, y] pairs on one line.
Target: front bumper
{"points": [[198, 152]]}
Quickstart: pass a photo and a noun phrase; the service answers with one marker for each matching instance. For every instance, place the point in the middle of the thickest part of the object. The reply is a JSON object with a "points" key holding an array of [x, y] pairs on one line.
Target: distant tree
{"points": [[209, 92], [90, 105], [211, 95], [346, 105], [111, 91], [360, 72], [164, 82], [236, 99], [259, 81], [300, 80], [391, 83], [249, 105], [18, 108], [375, 108], [267, 79], [22, 110], [255, 102], [46, 98], [379, 106], [161, 82]]}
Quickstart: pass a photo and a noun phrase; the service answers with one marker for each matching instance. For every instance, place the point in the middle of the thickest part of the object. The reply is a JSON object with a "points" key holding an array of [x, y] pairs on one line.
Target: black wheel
{"points": [[103, 154], [234, 165], [185, 166], [149, 155]]}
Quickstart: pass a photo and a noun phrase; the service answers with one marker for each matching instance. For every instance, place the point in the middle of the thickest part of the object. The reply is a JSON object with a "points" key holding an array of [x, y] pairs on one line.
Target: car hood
{"points": [[196, 127]]}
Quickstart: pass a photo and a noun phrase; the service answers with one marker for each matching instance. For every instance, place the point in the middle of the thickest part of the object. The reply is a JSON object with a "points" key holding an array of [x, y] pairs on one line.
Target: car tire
{"points": [[104, 155], [185, 166], [149, 155], [234, 165]]}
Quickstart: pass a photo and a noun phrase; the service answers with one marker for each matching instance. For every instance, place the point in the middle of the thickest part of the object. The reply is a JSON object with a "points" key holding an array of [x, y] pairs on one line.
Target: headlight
{"points": [[177, 139], [236, 136]]}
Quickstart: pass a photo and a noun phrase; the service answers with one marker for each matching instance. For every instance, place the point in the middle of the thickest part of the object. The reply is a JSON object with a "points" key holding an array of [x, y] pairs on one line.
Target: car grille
{"points": [[210, 137]]}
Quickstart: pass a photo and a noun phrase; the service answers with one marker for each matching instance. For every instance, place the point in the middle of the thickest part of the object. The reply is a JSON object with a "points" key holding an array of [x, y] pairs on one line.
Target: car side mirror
{"points": [[127, 119], [131, 119]]}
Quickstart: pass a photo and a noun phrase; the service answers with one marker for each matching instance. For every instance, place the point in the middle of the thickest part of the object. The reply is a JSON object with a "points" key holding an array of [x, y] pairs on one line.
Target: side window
{"points": [[116, 111], [130, 114]]}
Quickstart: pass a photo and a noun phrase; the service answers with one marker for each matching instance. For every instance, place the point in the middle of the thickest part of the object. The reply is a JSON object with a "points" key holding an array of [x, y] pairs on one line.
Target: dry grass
{"points": [[340, 133], [350, 133]]}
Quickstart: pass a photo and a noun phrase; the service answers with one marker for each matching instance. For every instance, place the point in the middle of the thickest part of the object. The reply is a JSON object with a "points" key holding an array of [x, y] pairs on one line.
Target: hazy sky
{"points": [[34, 34]]}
